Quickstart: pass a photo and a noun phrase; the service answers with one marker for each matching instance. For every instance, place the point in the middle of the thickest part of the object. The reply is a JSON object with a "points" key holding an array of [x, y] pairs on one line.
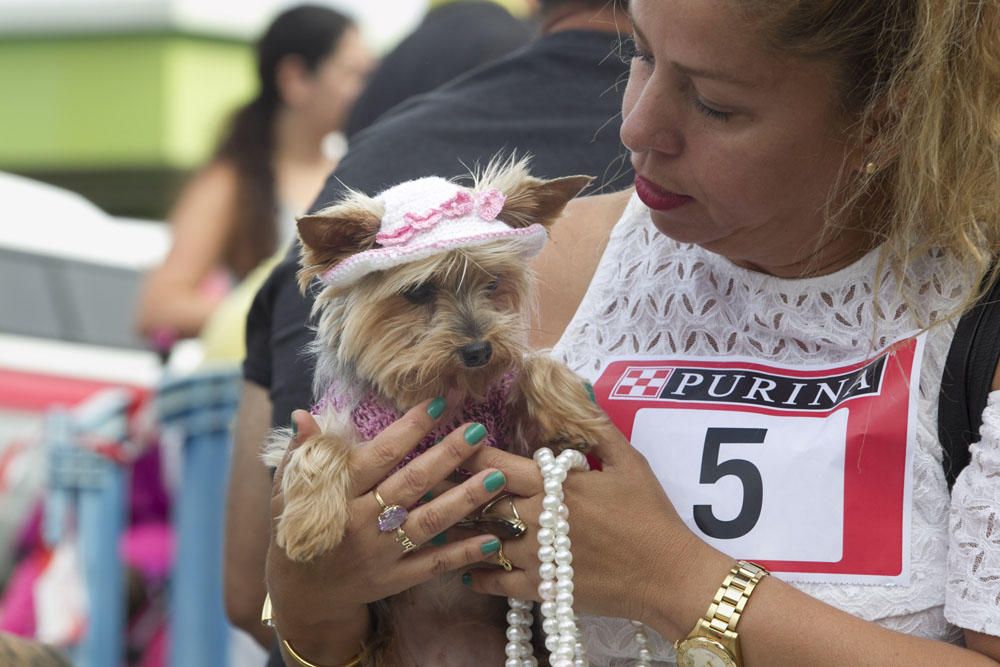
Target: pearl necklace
{"points": [[562, 634]]}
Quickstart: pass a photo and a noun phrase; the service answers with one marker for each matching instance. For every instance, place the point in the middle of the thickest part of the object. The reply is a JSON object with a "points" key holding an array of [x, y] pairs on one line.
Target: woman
{"points": [[239, 209], [816, 201]]}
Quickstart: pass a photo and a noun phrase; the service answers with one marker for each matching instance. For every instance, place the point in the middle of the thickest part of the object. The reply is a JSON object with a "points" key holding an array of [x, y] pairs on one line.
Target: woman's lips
{"points": [[656, 197]]}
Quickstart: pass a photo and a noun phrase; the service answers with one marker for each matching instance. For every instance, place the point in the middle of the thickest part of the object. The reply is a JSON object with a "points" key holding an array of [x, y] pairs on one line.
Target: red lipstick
{"points": [[656, 197]]}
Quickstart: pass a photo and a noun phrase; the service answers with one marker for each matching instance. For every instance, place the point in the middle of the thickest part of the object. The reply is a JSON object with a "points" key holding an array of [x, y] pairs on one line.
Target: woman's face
{"points": [[338, 80], [735, 148]]}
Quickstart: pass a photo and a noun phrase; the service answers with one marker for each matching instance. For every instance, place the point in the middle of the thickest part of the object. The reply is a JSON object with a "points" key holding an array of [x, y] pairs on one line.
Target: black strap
{"points": [[967, 380]]}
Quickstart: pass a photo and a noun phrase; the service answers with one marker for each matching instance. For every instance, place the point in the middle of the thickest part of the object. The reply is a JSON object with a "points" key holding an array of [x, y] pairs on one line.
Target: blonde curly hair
{"points": [[921, 79]]}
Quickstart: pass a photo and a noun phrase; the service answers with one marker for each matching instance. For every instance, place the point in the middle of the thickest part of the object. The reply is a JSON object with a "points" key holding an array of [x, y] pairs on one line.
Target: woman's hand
{"points": [[630, 548], [319, 606]]}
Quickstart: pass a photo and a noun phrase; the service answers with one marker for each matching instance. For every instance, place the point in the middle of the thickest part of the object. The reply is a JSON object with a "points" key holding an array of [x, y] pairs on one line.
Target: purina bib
{"points": [[789, 421]]}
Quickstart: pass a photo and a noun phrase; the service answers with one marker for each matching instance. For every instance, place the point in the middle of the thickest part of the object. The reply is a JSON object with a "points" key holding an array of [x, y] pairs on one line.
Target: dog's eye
{"points": [[492, 286], [420, 294]]}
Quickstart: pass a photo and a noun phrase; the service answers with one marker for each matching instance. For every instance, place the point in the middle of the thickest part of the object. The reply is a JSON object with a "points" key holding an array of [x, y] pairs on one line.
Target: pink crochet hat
{"points": [[429, 216]]}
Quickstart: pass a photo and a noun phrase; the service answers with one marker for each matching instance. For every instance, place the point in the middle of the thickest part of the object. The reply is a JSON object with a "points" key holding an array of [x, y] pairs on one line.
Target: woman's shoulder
{"points": [[568, 262]]}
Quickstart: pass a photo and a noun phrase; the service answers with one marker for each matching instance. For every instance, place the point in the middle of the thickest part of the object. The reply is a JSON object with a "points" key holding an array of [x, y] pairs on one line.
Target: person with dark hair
{"points": [[556, 99], [455, 36], [239, 209]]}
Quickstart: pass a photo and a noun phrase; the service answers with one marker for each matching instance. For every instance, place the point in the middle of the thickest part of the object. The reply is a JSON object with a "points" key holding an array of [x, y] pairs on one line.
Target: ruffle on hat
{"points": [[429, 216]]}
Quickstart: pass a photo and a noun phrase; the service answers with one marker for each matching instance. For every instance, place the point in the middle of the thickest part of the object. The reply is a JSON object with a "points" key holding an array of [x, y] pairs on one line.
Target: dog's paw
{"points": [[315, 487]]}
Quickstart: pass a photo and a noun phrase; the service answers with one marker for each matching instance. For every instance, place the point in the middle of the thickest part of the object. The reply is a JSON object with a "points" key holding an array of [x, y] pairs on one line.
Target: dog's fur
{"points": [[372, 338]]}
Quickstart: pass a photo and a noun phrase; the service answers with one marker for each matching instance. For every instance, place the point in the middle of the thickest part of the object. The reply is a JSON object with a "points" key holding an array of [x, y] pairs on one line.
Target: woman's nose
{"points": [[651, 120]]}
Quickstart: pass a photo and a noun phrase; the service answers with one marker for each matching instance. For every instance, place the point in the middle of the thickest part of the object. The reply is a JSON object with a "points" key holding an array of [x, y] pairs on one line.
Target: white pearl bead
{"points": [[543, 454], [563, 556], [567, 626], [564, 599], [557, 474], [553, 488], [550, 626], [547, 571], [547, 590], [563, 571], [552, 643], [547, 519], [515, 633], [547, 554], [564, 611], [531, 661], [561, 542], [513, 650], [545, 536], [564, 586], [513, 662], [561, 526], [551, 503], [645, 654], [517, 617], [549, 608], [521, 605], [562, 511]]}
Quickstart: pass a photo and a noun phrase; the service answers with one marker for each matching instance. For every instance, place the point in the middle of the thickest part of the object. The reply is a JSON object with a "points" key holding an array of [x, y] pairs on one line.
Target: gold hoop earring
{"points": [[870, 168]]}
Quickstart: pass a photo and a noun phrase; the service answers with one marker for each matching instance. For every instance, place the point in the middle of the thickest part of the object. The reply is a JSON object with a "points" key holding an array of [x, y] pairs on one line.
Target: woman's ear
{"points": [[333, 234], [533, 200]]}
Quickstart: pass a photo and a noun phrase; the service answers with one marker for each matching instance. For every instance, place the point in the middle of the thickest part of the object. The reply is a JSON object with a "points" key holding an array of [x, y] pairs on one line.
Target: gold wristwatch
{"points": [[714, 642]]}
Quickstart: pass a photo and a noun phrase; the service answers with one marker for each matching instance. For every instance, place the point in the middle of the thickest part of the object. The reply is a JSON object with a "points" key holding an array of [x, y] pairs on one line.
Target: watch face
{"points": [[703, 652]]}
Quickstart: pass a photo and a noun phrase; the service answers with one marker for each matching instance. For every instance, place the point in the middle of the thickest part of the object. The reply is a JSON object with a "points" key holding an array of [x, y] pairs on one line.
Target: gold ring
{"points": [[403, 539], [378, 498], [502, 560]]}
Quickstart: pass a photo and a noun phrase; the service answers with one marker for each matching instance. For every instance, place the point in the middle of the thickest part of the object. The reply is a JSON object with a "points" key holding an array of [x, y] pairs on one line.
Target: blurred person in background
{"points": [[239, 209], [557, 98], [454, 37]]}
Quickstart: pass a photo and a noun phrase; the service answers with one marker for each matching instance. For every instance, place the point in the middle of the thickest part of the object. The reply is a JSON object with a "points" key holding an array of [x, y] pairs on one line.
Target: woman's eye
{"points": [[711, 112], [420, 294]]}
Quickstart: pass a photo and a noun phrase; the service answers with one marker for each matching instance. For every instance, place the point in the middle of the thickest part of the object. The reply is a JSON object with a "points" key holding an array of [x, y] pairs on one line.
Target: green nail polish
{"points": [[427, 497], [495, 480], [590, 392], [475, 433], [295, 428], [467, 579], [436, 408], [439, 539], [490, 547]]}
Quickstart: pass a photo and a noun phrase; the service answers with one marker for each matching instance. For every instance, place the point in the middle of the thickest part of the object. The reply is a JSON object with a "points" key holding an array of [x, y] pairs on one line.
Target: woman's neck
{"points": [[296, 141]]}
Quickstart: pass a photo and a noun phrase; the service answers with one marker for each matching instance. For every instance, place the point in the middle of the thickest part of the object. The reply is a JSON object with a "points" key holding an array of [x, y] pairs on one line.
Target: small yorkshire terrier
{"points": [[427, 291]]}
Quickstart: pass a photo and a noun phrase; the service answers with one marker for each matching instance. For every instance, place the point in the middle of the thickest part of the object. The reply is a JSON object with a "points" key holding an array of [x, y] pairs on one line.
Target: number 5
{"points": [[712, 470]]}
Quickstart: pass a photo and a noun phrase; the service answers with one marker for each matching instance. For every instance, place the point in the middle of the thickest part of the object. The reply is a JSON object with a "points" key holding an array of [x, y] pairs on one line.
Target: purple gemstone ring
{"points": [[391, 517]]}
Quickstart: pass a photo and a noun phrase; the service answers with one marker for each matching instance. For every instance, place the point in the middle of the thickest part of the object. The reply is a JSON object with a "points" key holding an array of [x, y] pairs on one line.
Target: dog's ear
{"points": [[333, 234], [533, 200]]}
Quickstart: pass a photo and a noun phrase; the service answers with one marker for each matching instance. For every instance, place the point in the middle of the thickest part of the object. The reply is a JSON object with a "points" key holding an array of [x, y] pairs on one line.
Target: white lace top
{"points": [[652, 296]]}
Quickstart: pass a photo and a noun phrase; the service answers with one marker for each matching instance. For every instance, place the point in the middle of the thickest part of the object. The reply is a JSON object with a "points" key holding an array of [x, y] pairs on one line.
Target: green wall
{"points": [[147, 100]]}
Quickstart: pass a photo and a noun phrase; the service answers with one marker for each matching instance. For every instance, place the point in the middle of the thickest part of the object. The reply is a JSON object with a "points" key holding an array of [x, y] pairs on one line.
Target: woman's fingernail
{"points": [[495, 480], [490, 547], [590, 392], [467, 579], [439, 539], [436, 408], [475, 433], [295, 427], [427, 497]]}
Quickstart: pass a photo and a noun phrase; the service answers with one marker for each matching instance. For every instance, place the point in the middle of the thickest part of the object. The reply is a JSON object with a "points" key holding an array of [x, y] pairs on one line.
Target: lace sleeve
{"points": [[973, 595]]}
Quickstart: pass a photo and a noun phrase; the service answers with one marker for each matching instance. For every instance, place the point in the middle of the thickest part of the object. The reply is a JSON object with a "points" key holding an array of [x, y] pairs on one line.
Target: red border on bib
{"points": [[875, 474]]}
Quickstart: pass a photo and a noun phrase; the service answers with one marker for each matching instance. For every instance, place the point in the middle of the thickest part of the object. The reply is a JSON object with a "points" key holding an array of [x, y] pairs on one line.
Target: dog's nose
{"points": [[476, 354]]}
